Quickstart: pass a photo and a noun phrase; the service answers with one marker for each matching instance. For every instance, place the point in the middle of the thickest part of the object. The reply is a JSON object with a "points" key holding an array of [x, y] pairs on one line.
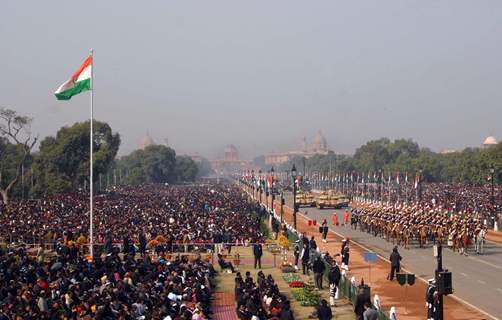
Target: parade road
{"points": [[477, 279]]}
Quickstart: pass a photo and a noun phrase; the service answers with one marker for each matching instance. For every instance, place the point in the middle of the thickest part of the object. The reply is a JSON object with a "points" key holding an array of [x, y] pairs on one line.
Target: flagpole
{"points": [[91, 177]]}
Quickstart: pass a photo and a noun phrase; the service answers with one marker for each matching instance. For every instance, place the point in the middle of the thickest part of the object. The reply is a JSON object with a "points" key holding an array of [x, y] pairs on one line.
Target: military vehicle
{"points": [[305, 199], [331, 200]]}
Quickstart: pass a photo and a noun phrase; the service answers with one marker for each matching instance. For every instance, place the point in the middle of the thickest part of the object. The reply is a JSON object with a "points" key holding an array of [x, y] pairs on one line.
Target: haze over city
{"points": [[261, 75]]}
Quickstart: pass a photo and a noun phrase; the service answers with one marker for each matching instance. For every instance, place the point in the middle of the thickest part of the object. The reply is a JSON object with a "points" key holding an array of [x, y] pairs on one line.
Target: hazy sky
{"points": [[261, 74]]}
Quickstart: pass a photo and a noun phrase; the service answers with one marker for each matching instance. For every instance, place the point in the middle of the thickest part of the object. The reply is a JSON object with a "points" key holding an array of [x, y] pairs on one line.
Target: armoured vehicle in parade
{"points": [[332, 200], [305, 199]]}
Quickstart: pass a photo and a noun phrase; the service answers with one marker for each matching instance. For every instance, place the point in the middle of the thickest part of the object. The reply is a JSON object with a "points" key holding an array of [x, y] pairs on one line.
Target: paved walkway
{"points": [[223, 306]]}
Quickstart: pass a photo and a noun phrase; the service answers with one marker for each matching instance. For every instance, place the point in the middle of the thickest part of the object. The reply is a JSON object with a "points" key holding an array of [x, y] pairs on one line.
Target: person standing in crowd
{"points": [[312, 244], [142, 243], [126, 244], [275, 228], [305, 256], [296, 253], [395, 263], [334, 277], [345, 253], [318, 269], [361, 299], [257, 252], [324, 230], [369, 313], [324, 311]]}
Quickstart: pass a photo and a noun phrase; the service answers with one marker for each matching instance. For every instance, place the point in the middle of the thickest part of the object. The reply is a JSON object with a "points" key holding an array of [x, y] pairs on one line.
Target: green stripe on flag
{"points": [[80, 86]]}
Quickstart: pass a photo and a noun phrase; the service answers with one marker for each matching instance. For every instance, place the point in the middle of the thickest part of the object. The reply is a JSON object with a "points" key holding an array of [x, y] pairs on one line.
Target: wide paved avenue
{"points": [[477, 279]]}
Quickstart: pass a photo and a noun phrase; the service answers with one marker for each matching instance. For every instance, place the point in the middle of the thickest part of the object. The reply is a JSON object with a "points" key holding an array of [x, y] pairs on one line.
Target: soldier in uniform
{"points": [[430, 299]]}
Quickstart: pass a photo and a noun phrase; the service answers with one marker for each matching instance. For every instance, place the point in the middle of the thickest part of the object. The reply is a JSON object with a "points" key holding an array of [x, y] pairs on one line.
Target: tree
{"points": [[154, 164], [186, 168], [16, 130], [63, 162], [204, 168]]}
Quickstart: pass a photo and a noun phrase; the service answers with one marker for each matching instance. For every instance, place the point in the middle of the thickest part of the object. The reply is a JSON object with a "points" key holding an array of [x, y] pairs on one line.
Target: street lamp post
{"points": [[282, 206], [380, 184], [293, 176], [439, 269], [252, 182], [260, 187], [272, 187], [492, 175]]}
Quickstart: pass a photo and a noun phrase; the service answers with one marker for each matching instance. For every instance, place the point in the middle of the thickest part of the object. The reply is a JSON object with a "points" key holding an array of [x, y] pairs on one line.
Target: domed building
{"points": [[490, 141], [319, 145], [230, 162], [230, 153], [146, 142]]}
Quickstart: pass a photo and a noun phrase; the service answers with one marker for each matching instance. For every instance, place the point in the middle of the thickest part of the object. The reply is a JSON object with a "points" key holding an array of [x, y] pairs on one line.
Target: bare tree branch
{"points": [[17, 129]]}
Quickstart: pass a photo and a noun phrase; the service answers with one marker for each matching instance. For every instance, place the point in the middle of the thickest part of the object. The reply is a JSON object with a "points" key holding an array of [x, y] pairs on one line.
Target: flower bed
{"points": [[296, 284], [290, 277], [306, 296]]}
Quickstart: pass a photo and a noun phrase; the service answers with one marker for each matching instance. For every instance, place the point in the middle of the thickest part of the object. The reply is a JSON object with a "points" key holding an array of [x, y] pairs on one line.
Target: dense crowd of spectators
{"points": [[260, 299], [124, 283], [113, 287], [133, 215]]}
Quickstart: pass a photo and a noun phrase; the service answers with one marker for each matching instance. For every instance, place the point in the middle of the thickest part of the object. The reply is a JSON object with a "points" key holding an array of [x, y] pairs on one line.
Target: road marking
{"points": [[499, 290], [493, 242], [485, 262], [481, 281], [465, 275]]}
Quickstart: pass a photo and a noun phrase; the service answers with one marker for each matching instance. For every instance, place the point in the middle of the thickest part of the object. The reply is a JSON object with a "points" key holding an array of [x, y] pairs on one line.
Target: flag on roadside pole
{"points": [[79, 82], [82, 80]]}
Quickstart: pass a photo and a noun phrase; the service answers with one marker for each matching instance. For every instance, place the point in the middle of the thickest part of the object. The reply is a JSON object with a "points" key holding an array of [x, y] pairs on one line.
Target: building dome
{"points": [[490, 141], [146, 142], [320, 143], [230, 153]]}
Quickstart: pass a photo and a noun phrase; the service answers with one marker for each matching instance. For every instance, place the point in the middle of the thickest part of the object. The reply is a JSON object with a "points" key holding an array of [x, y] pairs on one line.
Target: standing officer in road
{"points": [[257, 252], [324, 230], [395, 263]]}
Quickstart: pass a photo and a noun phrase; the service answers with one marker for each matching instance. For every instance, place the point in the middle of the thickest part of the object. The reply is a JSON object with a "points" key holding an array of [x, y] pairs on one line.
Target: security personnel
{"points": [[257, 252], [430, 295]]}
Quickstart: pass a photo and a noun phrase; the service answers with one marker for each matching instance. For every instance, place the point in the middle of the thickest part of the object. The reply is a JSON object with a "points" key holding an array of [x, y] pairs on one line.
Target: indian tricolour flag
{"points": [[80, 81]]}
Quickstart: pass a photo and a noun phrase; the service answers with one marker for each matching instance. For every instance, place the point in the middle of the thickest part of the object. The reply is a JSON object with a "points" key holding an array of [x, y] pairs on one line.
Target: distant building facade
{"points": [[230, 163], [146, 142], [319, 146], [490, 141]]}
